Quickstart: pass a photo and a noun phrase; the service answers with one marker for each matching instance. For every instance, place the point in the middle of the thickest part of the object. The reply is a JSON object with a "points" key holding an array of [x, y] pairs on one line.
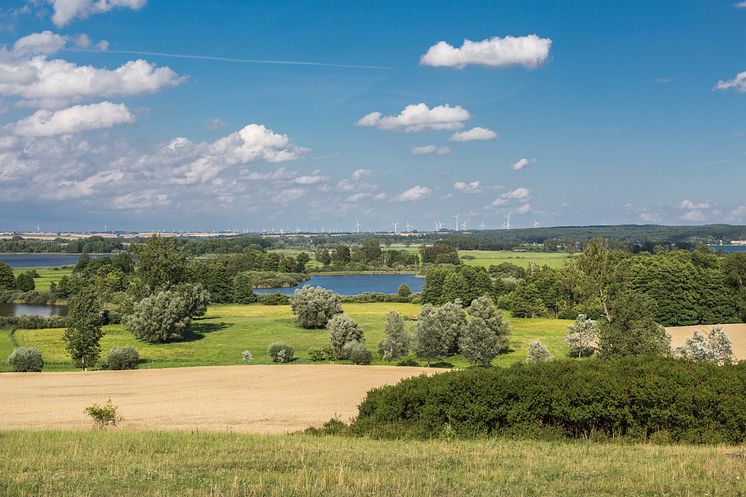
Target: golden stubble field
{"points": [[736, 333], [255, 399]]}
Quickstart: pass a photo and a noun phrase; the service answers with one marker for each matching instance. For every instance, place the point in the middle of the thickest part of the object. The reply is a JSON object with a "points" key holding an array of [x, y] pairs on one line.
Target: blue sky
{"points": [[146, 114]]}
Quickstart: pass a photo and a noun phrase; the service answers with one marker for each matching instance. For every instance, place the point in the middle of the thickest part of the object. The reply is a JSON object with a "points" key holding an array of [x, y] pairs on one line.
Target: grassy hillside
{"points": [[227, 330], [46, 275], [133, 464], [486, 258]]}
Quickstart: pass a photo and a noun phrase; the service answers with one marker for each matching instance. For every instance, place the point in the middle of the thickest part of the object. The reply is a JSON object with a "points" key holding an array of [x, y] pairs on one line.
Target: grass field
{"points": [[227, 330], [138, 464], [46, 275], [487, 258]]}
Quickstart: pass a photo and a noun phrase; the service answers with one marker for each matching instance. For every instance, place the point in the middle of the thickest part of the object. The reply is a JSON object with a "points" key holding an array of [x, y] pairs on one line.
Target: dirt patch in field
{"points": [[259, 399], [736, 333]]}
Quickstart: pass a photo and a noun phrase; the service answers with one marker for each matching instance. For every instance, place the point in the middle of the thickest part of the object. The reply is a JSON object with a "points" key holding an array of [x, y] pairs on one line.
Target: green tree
{"points": [[342, 254], [429, 336], [632, 330], [25, 282], [323, 256], [83, 333], [537, 352], [582, 336], [598, 264], [300, 262], [396, 343], [455, 288], [526, 301], [453, 319], [485, 309], [370, 250], [478, 343], [161, 263], [404, 291], [7, 280], [315, 306], [160, 317], [343, 330], [243, 288]]}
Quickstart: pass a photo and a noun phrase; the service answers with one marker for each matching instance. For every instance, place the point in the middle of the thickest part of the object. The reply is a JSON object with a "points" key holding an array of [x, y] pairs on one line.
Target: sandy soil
{"points": [[259, 399], [736, 333]]}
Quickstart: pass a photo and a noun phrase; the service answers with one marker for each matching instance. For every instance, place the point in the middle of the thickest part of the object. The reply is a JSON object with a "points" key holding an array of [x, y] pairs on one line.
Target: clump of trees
{"points": [[465, 283], [343, 330], [715, 347], [368, 255], [315, 306]]}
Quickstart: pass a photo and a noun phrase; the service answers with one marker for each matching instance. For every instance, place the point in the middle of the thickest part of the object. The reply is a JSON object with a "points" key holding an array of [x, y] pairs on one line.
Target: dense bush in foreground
{"points": [[26, 359], [636, 398]]}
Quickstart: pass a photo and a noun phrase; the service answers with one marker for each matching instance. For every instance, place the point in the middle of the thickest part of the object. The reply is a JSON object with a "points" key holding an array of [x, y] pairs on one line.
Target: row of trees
{"points": [[24, 282], [368, 255]]}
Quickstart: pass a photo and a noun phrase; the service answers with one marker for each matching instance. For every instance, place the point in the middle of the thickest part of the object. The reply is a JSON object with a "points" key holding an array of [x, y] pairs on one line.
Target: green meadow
{"points": [[46, 275], [487, 258], [226, 331]]}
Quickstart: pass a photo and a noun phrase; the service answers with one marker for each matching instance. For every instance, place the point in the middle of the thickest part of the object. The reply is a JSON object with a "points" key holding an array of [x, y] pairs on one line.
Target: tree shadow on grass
{"points": [[199, 329]]}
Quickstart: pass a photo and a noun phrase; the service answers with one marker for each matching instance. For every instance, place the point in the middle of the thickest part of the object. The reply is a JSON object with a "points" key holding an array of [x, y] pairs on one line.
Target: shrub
{"points": [[637, 398], [122, 358], [315, 306], [714, 347], [408, 362], [280, 352], [404, 290], [357, 353], [396, 343], [582, 336], [26, 359], [317, 354], [105, 415], [343, 330], [25, 282], [537, 352], [246, 356], [273, 299]]}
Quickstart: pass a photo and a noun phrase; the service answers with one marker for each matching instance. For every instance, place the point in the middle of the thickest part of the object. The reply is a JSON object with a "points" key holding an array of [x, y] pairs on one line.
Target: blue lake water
{"points": [[356, 283], [40, 260], [32, 310], [729, 248]]}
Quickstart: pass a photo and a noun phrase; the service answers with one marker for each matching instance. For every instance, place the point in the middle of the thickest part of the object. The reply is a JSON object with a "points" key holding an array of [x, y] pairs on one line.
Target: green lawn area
{"points": [[227, 330], [46, 275], [487, 258], [140, 463]]}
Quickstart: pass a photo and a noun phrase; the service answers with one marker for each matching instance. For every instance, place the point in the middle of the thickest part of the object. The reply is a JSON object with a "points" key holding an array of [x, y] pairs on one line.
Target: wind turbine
{"points": [[396, 225], [481, 225], [536, 224], [357, 226], [463, 225], [456, 216], [507, 222], [408, 227]]}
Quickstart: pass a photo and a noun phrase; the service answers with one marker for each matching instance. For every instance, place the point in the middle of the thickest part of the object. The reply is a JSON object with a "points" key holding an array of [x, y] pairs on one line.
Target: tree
{"points": [[300, 262], [478, 343], [537, 352], [485, 309], [714, 347], [597, 262], [370, 250], [455, 287], [243, 288], [342, 254], [453, 319], [314, 306], [429, 340], [632, 329], [161, 263], [582, 336], [7, 280], [83, 333], [404, 291], [323, 256], [396, 343], [343, 330], [525, 301], [160, 317], [195, 297], [25, 282]]}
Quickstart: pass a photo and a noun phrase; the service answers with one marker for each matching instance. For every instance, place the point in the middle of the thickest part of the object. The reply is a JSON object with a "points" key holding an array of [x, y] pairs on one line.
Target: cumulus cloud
{"points": [[65, 11], [415, 193], [520, 194], [357, 197], [146, 199], [472, 187], [289, 195], [520, 164], [689, 205], [312, 179], [44, 43], [738, 83], [419, 117], [358, 174], [739, 213], [523, 208], [528, 51], [474, 134], [47, 83], [429, 150], [74, 119], [215, 124], [694, 216]]}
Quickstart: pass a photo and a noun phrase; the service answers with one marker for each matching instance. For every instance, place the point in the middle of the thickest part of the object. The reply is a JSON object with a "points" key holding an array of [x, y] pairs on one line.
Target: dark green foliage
{"points": [[525, 301], [7, 280], [83, 332], [280, 352], [404, 290], [32, 322], [273, 299], [25, 282], [439, 253], [122, 358], [635, 398], [632, 330], [373, 297], [161, 263], [449, 283], [243, 289], [321, 353], [26, 360]]}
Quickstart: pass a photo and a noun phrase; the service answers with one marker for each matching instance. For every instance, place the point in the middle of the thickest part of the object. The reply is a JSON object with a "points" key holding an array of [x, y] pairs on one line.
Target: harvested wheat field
{"points": [[257, 399], [736, 333]]}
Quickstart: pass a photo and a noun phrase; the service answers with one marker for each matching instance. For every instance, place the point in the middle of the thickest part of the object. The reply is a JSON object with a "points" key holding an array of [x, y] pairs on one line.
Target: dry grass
{"points": [[736, 333], [258, 399]]}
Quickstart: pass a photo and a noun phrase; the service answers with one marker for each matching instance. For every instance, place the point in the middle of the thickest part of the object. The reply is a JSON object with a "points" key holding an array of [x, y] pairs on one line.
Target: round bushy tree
{"points": [[243, 289], [632, 329], [122, 358], [582, 336], [7, 280], [315, 306], [26, 360], [537, 352], [404, 291], [25, 282], [485, 309], [357, 353], [714, 347], [453, 318], [83, 333], [343, 330], [396, 343], [160, 317], [478, 343], [429, 336], [195, 298]]}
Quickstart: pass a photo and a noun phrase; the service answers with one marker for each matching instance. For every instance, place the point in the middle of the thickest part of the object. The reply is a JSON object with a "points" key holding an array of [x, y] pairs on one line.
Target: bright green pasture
{"points": [[486, 258], [46, 275], [227, 330]]}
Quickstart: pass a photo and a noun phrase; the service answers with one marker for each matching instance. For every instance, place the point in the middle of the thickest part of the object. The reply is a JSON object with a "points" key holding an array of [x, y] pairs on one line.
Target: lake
{"points": [[32, 310], [354, 284], [40, 260], [729, 248]]}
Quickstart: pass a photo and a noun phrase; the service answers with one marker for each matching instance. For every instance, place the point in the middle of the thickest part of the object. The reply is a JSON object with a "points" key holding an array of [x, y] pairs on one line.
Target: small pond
{"points": [[354, 284], [32, 310]]}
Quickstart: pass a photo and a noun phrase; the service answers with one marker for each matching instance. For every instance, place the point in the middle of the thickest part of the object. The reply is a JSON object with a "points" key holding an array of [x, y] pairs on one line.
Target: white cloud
{"points": [[361, 173], [74, 119], [380, 196], [472, 187], [52, 83], [688, 204], [254, 143], [415, 193], [739, 213], [694, 215], [44, 43], [527, 51], [357, 197], [430, 149], [738, 83], [523, 209], [65, 11], [289, 195], [419, 117], [215, 124], [740, 5], [474, 134], [520, 194], [312, 179], [147, 199], [520, 164]]}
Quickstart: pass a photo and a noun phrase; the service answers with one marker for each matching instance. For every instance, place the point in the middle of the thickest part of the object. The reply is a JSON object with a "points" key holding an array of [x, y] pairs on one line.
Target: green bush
{"points": [[26, 359], [357, 353], [280, 352], [321, 354], [122, 358], [103, 416], [273, 299], [637, 398]]}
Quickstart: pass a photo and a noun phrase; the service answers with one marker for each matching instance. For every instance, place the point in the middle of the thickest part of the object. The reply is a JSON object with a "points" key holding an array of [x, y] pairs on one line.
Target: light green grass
{"points": [[227, 330], [486, 258], [7, 344], [139, 464], [46, 275]]}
